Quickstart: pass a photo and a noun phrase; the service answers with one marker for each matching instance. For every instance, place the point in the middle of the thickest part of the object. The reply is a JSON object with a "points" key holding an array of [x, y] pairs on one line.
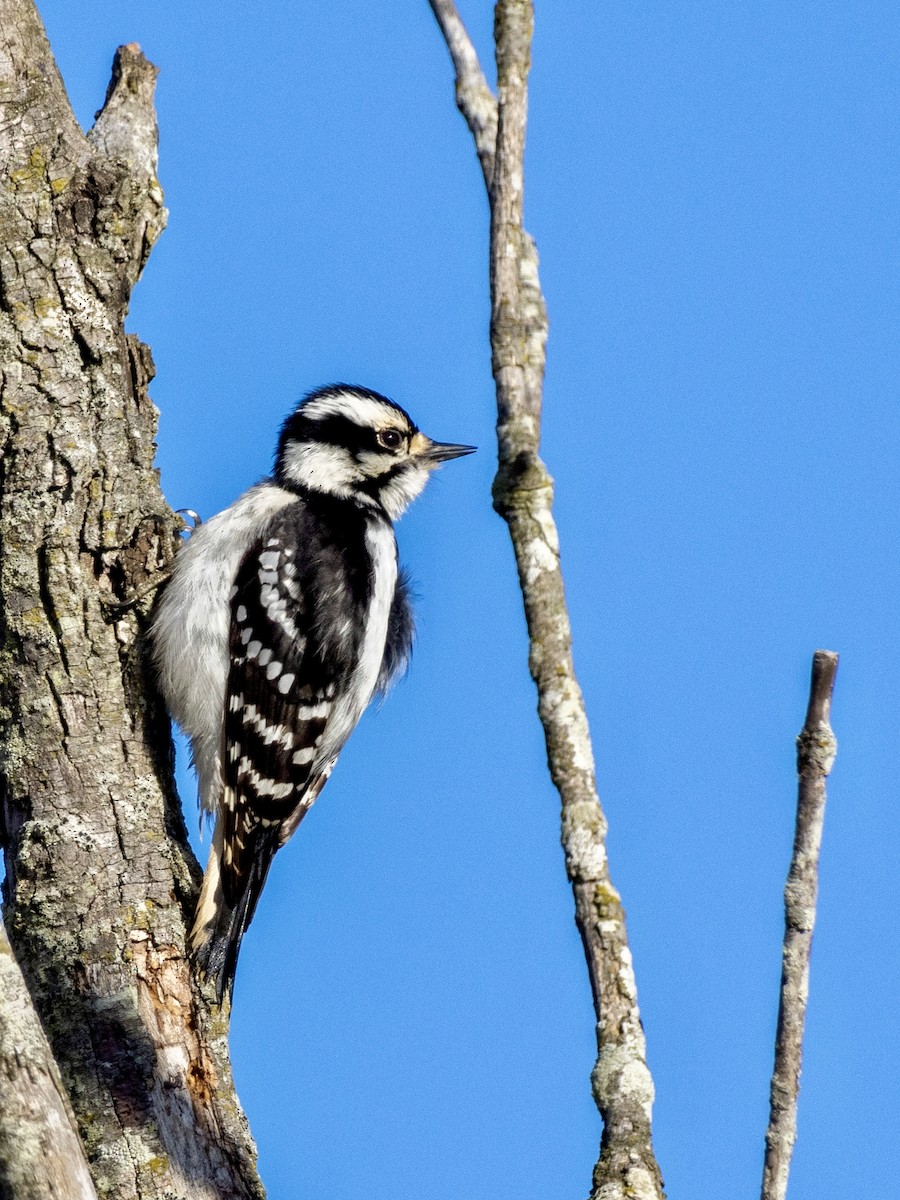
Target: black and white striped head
{"points": [[351, 442]]}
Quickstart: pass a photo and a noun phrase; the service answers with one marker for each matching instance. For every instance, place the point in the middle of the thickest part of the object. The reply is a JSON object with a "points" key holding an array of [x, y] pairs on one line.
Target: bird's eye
{"points": [[391, 439]]}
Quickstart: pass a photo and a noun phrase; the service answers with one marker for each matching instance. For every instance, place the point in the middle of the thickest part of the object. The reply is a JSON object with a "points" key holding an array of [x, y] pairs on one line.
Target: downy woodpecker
{"points": [[284, 615]]}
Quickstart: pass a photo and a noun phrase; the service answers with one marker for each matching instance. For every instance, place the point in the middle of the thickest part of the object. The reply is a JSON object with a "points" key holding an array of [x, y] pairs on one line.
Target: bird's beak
{"points": [[438, 452]]}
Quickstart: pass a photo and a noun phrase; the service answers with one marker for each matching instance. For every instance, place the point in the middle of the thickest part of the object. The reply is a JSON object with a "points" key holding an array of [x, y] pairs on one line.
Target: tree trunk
{"points": [[100, 880]]}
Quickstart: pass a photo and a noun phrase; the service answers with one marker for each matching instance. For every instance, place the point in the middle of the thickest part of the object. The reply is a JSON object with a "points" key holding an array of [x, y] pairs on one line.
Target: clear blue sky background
{"points": [[714, 192]]}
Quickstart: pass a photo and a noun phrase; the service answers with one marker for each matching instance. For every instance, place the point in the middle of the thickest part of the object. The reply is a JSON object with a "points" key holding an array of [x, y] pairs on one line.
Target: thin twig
{"points": [[474, 98], [816, 748], [523, 495]]}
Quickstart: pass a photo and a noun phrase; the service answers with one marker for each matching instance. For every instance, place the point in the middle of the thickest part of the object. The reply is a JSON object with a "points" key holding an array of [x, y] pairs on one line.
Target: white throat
{"points": [[400, 491], [323, 468]]}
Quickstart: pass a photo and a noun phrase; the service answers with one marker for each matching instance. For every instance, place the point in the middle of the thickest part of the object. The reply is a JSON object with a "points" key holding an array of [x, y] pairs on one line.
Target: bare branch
{"points": [[474, 98], [523, 495], [40, 1151], [816, 749]]}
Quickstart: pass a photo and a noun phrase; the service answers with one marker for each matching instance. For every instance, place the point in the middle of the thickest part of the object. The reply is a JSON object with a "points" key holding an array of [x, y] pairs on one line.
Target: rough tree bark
{"points": [[100, 879], [36, 1118], [523, 495]]}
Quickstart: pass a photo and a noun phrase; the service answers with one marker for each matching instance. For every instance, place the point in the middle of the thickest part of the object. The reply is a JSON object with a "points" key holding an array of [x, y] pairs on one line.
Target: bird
{"points": [[283, 617]]}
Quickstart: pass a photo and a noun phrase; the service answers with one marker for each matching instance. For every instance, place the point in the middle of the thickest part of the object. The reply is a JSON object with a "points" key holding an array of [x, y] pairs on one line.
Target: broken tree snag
{"points": [[816, 750], [523, 495], [100, 880]]}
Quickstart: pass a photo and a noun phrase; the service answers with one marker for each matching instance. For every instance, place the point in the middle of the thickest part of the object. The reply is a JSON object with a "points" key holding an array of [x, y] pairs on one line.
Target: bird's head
{"points": [[351, 442]]}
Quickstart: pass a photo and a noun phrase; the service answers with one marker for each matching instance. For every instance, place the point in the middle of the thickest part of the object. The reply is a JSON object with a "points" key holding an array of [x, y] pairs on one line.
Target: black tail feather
{"points": [[217, 957]]}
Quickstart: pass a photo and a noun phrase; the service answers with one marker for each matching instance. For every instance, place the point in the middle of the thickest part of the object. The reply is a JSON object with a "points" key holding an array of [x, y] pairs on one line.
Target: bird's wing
{"points": [[401, 633], [279, 700]]}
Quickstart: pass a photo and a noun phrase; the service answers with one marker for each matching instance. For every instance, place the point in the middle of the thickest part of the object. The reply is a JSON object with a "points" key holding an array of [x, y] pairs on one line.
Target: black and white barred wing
{"points": [[277, 710]]}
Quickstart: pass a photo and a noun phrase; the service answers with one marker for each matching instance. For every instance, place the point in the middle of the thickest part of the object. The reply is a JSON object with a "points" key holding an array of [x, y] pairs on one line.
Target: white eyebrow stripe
{"points": [[364, 411]]}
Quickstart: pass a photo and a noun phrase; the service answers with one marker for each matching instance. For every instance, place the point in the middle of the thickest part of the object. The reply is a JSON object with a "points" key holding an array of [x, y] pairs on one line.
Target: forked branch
{"points": [[523, 495]]}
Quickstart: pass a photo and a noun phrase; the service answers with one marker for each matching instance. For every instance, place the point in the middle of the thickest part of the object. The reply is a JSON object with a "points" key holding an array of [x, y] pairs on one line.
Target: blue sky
{"points": [[714, 193]]}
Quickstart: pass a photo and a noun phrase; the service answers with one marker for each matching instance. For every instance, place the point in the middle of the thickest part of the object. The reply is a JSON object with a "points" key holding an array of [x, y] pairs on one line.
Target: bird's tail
{"points": [[218, 928]]}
